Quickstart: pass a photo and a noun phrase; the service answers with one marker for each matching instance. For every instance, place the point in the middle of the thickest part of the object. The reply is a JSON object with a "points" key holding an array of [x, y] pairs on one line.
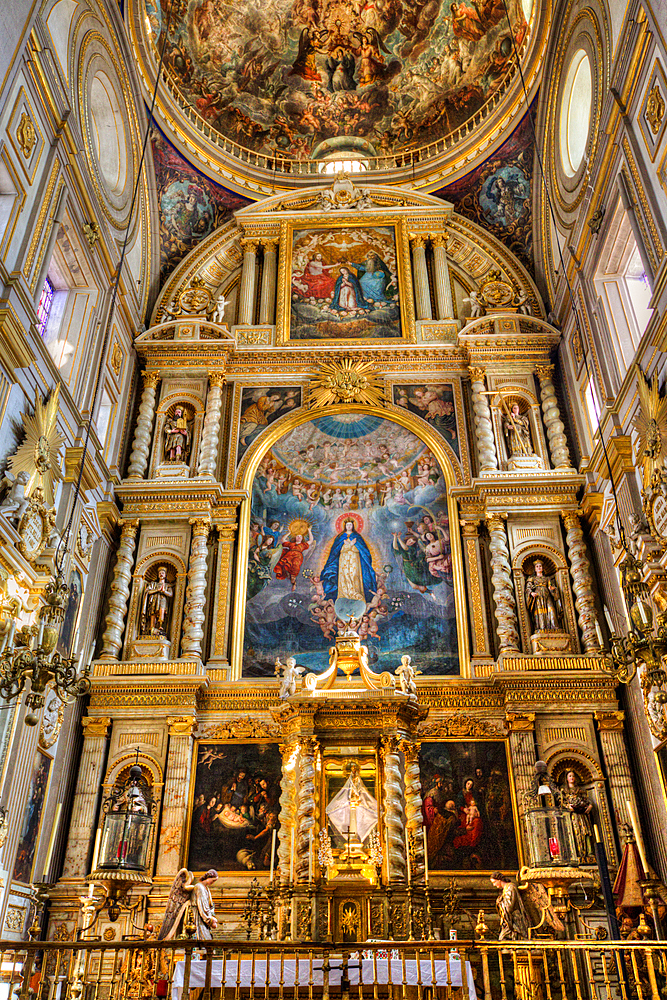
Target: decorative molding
{"points": [[460, 725], [347, 381], [252, 729]]}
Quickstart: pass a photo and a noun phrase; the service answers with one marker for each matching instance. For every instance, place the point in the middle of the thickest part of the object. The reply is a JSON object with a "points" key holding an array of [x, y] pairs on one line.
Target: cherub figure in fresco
{"points": [[289, 565]]}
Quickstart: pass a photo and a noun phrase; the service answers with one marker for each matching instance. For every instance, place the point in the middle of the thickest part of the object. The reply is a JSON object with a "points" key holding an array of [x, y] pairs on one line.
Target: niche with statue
{"points": [[176, 441], [544, 601], [155, 611], [518, 431]]}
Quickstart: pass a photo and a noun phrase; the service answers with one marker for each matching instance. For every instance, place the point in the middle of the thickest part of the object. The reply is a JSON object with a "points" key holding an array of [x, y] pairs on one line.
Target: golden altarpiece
{"points": [[348, 438]]}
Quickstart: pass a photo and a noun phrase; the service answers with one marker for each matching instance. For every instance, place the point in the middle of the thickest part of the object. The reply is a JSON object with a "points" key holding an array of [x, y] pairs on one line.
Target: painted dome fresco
{"points": [[393, 82]]}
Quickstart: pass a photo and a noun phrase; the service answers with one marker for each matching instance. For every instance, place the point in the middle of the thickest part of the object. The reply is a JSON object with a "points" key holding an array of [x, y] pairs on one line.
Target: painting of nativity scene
{"points": [[467, 806], [344, 284], [350, 519], [235, 806]]}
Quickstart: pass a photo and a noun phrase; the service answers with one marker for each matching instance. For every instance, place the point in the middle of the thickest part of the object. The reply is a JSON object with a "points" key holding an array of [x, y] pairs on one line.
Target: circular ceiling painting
{"points": [[286, 76]]}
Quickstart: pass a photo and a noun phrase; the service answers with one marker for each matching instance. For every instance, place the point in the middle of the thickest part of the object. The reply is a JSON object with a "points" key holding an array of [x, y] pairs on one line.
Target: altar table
{"points": [[258, 980]]}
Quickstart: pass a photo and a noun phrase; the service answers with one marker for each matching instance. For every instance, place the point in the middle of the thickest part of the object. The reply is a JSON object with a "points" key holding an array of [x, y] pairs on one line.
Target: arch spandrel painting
{"points": [[349, 518]]}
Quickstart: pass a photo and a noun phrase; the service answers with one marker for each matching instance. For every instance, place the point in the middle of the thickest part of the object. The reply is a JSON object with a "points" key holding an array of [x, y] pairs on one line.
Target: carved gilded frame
{"points": [[346, 220], [433, 737], [245, 475], [363, 755]]}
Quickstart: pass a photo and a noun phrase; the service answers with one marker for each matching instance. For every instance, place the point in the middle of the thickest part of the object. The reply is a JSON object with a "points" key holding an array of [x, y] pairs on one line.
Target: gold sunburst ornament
{"points": [[651, 425], [347, 381], [38, 454]]}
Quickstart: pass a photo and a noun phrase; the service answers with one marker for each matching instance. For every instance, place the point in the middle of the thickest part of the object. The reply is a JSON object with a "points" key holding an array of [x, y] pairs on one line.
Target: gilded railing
{"points": [[267, 970]]}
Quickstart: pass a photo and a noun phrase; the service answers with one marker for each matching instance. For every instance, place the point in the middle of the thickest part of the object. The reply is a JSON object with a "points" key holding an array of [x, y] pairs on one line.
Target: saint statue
{"points": [[513, 922], [177, 437], [353, 812], [575, 800], [185, 892], [516, 428], [543, 600], [157, 605], [348, 572]]}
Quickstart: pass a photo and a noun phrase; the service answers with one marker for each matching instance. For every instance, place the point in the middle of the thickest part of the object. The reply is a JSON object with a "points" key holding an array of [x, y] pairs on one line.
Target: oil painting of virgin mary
{"points": [[348, 577]]}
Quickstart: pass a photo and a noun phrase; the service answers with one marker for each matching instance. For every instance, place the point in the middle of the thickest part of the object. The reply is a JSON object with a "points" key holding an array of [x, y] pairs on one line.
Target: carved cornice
{"points": [[520, 723], [460, 725], [251, 729]]}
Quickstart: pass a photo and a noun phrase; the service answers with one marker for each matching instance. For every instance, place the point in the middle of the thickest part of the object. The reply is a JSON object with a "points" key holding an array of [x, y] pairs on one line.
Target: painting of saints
{"points": [[315, 281], [348, 574], [374, 277], [260, 407]]}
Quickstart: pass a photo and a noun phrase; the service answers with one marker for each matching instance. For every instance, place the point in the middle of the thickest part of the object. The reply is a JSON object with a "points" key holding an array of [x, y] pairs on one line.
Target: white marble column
{"points": [[503, 591], [443, 289], [141, 445], [582, 581], [393, 809], [120, 592], [267, 295], [420, 278], [176, 790], [248, 279], [195, 595], [208, 455], [90, 777], [414, 819], [486, 445], [305, 808], [560, 455]]}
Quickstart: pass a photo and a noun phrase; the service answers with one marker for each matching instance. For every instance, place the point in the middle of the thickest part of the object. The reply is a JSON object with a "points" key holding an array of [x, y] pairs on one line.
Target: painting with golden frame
{"points": [[469, 806], [32, 817], [340, 767], [345, 282], [233, 806]]}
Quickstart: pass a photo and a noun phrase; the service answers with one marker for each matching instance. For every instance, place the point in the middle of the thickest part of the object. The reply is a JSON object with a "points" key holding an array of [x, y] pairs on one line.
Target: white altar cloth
{"points": [[198, 973]]}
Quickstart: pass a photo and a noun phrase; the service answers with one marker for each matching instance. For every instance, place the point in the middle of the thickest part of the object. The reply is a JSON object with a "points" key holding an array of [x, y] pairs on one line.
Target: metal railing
{"points": [[264, 970]]}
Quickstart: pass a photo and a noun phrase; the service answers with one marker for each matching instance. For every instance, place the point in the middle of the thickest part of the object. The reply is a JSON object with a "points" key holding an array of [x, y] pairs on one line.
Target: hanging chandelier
{"points": [[29, 656]]}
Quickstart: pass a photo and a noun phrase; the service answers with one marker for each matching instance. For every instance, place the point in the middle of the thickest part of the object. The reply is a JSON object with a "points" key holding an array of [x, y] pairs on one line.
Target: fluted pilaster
{"points": [[90, 776], [420, 277], [141, 445], [393, 808], [267, 295], [176, 788], [560, 455], [195, 595], [582, 581], [208, 455], [486, 445], [443, 288], [503, 591], [120, 592], [248, 278], [305, 808]]}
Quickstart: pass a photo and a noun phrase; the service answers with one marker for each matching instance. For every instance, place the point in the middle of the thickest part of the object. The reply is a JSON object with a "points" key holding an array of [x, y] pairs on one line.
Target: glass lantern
{"points": [[551, 840], [127, 825]]}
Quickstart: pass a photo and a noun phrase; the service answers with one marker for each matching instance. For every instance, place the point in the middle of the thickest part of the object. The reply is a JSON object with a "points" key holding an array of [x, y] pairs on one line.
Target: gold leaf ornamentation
{"points": [[252, 729], [655, 109], [461, 725], [26, 135], [347, 381], [38, 454]]}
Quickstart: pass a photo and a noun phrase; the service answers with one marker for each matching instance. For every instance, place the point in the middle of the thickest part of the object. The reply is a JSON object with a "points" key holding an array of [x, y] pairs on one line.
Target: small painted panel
{"points": [[468, 808], [32, 815], [435, 404], [344, 284], [350, 518], [235, 806], [260, 407], [71, 620]]}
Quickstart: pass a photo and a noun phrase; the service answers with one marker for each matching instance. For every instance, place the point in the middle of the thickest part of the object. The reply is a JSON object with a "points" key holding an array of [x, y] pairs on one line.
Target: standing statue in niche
{"points": [[177, 437], [543, 600], [516, 428], [157, 605], [575, 800]]}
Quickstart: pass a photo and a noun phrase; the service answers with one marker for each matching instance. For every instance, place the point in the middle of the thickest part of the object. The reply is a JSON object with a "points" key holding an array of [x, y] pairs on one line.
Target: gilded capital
{"points": [[270, 244], [520, 723], [477, 374], [249, 245], [217, 378], [610, 721], [200, 526], [570, 518], [495, 522], [95, 726], [545, 373], [181, 725], [129, 528], [470, 529], [417, 241], [439, 240], [151, 379]]}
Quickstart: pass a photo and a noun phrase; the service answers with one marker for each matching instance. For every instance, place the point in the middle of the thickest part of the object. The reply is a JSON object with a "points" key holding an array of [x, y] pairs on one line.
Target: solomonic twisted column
{"points": [[305, 808], [141, 445], [287, 815], [393, 808], [420, 275], [120, 592], [503, 591], [195, 596], [560, 455], [248, 278], [486, 445], [414, 819], [208, 455], [582, 581]]}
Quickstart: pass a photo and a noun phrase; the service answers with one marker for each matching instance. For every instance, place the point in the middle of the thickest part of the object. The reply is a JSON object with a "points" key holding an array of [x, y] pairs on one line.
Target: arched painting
{"points": [[349, 519]]}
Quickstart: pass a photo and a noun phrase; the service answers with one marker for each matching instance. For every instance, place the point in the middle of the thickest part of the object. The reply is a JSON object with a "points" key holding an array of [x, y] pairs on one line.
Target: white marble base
{"points": [[549, 643], [517, 463], [155, 647]]}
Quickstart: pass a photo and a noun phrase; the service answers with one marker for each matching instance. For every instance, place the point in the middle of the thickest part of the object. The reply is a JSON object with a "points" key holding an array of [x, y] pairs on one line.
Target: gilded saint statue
{"points": [[510, 909], [156, 607], [177, 436], [516, 428], [543, 600], [353, 812], [575, 800]]}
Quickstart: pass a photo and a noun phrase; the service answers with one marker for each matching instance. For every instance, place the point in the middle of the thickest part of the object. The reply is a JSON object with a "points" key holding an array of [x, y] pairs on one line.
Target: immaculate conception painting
{"points": [[235, 806], [349, 519], [468, 806], [344, 284]]}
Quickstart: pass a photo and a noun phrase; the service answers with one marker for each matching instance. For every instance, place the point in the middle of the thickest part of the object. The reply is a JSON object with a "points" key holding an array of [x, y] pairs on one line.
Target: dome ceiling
{"points": [[271, 85]]}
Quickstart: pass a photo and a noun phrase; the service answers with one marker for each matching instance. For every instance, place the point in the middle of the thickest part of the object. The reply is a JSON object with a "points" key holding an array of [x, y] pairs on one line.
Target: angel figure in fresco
{"points": [[289, 565], [311, 41], [186, 892]]}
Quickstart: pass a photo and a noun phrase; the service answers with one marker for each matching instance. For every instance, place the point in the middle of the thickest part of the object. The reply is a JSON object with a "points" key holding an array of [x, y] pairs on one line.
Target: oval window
{"points": [[575, 112]]}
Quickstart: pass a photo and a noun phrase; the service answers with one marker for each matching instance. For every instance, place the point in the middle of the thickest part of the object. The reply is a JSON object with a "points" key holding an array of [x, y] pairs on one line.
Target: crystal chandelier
{"points": [[29, 656]]}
